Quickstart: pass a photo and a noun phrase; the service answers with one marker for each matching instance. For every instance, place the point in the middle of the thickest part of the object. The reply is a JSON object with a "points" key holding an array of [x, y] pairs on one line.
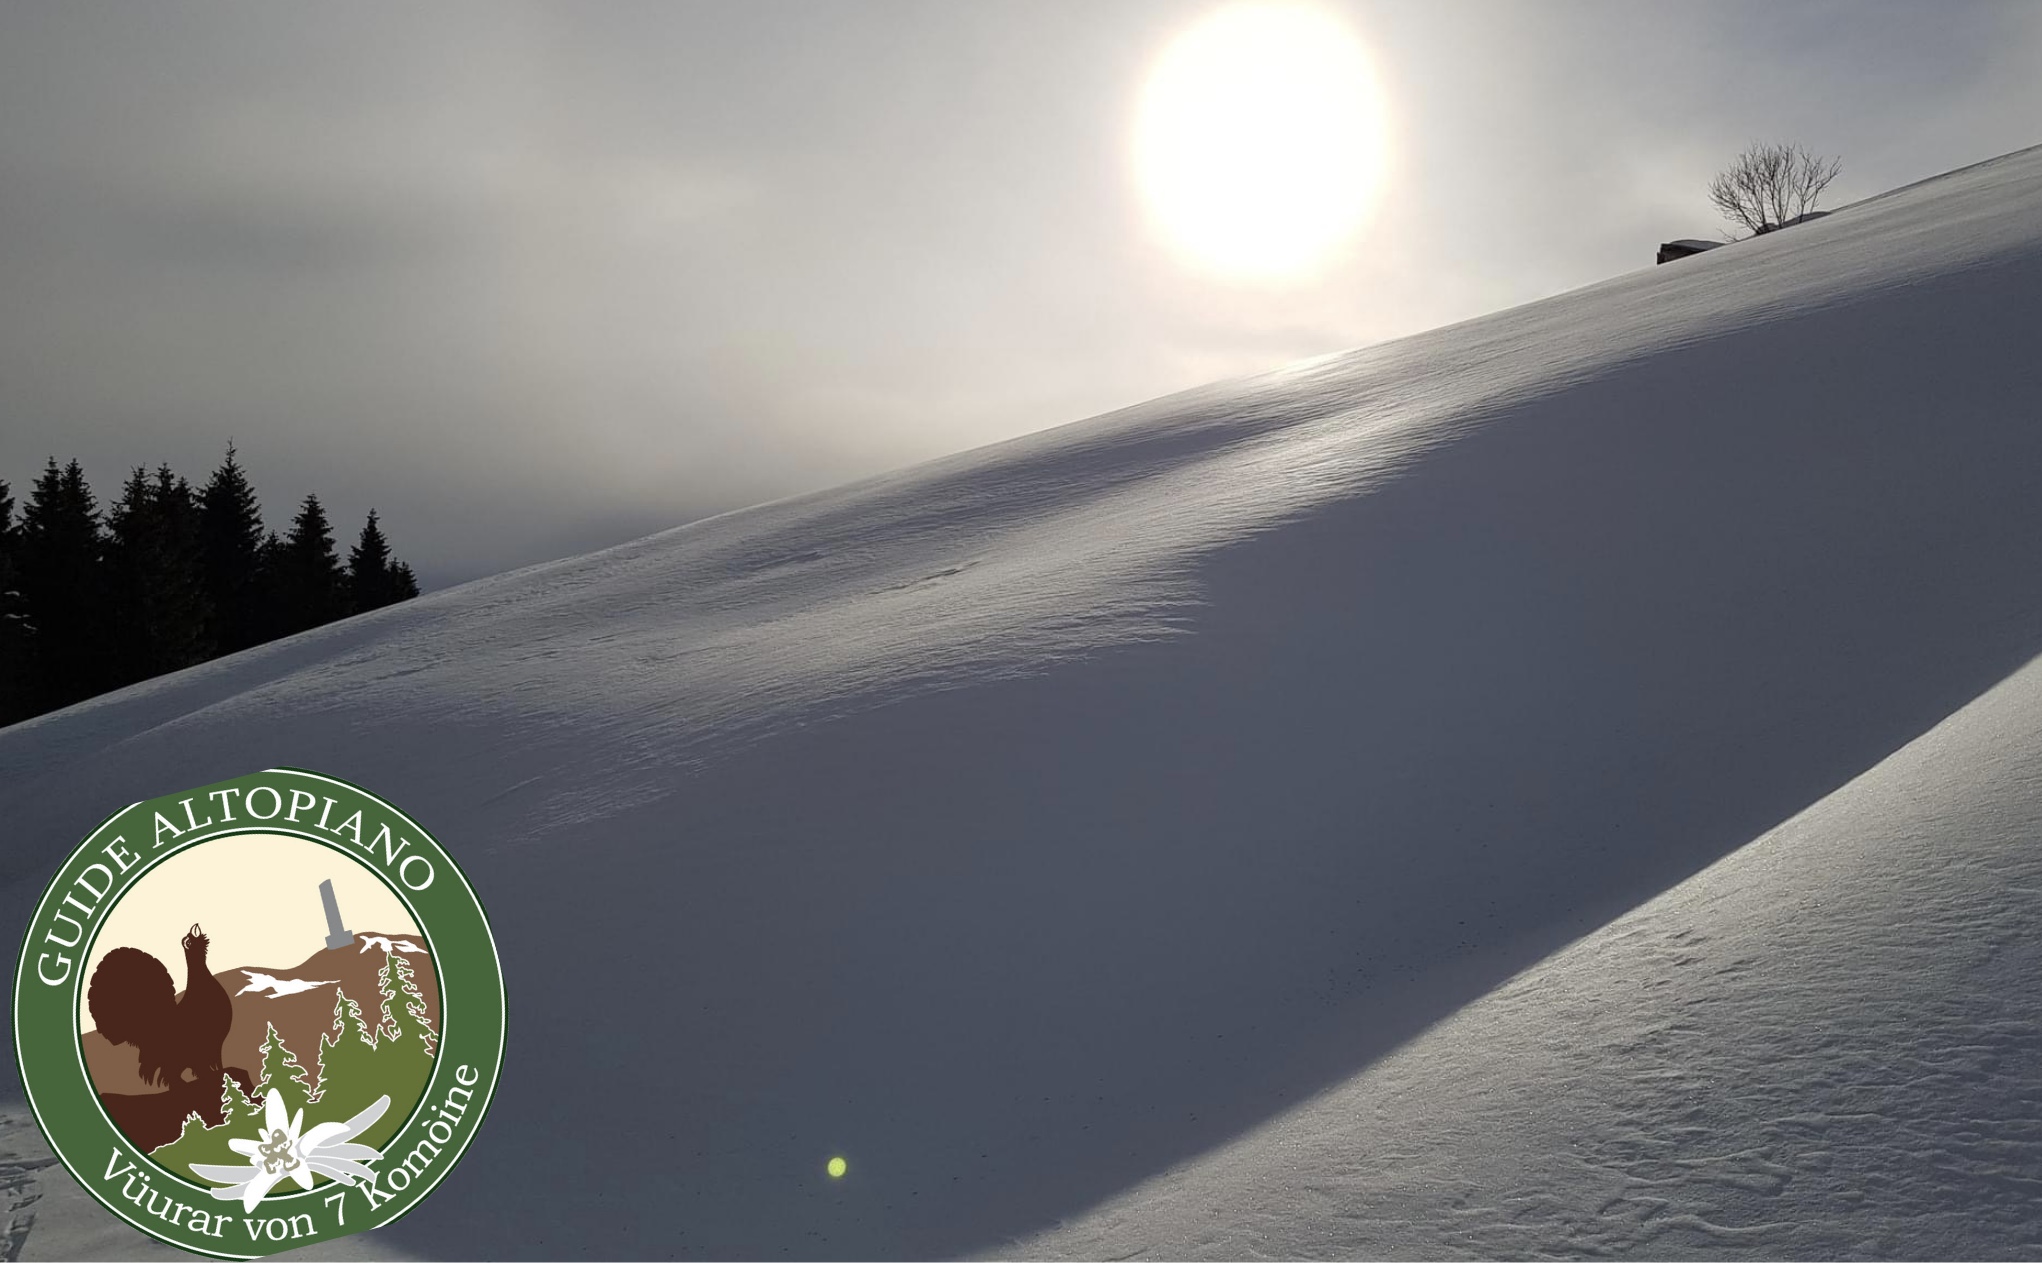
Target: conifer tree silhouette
{"points": [[369, 581], [157, 602], [61, 588], [309, 591], [168, 577], [15, 702], [230, 556], [403, 582]]}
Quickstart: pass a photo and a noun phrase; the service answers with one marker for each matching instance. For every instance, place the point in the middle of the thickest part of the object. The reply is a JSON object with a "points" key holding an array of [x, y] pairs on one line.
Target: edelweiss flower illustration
{"points": [[279, 1151]]}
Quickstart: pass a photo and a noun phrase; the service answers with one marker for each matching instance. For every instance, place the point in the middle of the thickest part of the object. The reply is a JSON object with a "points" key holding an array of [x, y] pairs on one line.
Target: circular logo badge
{"points": [[259, 1014]]}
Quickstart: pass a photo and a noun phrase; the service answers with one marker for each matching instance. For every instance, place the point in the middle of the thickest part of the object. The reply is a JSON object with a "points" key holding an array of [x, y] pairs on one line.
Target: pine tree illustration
{"points": [[239, 1118], [414, 1005], [194, 1130], [281, 1071], [343, 1048], [388, 1028], [395, 979], [234, 1104]]}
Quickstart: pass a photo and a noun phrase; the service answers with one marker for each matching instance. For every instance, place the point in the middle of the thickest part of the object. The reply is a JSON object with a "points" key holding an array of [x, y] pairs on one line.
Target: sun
{"points": [[1260, 139]]}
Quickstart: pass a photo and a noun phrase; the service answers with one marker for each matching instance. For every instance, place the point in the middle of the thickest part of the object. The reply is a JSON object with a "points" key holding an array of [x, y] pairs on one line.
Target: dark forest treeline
{"points": [[167, 576]]}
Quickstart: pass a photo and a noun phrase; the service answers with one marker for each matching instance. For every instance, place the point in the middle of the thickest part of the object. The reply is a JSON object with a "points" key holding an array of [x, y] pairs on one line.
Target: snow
{"points": [[1826, 1045], [1437, 799]]}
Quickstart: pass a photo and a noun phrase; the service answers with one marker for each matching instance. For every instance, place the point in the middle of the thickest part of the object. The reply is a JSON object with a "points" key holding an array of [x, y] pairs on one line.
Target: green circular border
{"points": [[66, 1105]]}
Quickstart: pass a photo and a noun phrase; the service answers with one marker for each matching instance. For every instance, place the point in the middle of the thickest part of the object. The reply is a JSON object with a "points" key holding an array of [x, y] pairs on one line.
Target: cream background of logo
{"points": [[256, 896]]}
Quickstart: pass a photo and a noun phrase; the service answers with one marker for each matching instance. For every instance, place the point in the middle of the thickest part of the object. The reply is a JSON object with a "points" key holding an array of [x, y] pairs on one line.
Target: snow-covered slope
{"points": [[1116, 803], [1827, 1045]]}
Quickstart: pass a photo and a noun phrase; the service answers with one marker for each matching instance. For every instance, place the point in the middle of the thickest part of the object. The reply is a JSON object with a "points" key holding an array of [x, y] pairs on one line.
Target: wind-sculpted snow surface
{"points": [[1024, 826], [1827, 1045]]}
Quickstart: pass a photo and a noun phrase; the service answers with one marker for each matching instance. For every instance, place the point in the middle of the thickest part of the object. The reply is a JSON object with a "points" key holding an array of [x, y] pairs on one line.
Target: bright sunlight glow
{"points": [[1260, 141]]}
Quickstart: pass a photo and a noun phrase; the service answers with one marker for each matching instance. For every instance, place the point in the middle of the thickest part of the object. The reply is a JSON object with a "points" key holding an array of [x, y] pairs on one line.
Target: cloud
{"points": [[519, 275]]}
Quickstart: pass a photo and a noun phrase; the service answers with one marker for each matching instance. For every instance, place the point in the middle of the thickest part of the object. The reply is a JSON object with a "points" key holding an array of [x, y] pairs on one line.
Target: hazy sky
{"points": [[535, 278]]}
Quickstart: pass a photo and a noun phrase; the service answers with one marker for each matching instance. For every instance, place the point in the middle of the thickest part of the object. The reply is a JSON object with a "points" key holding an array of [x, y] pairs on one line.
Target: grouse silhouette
{"points": [[133, 1001]]}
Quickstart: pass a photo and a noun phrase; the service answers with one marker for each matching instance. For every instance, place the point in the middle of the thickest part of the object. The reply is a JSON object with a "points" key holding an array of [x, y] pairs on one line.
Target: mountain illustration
{"points": [[300, 1016], [371, 1061]]}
